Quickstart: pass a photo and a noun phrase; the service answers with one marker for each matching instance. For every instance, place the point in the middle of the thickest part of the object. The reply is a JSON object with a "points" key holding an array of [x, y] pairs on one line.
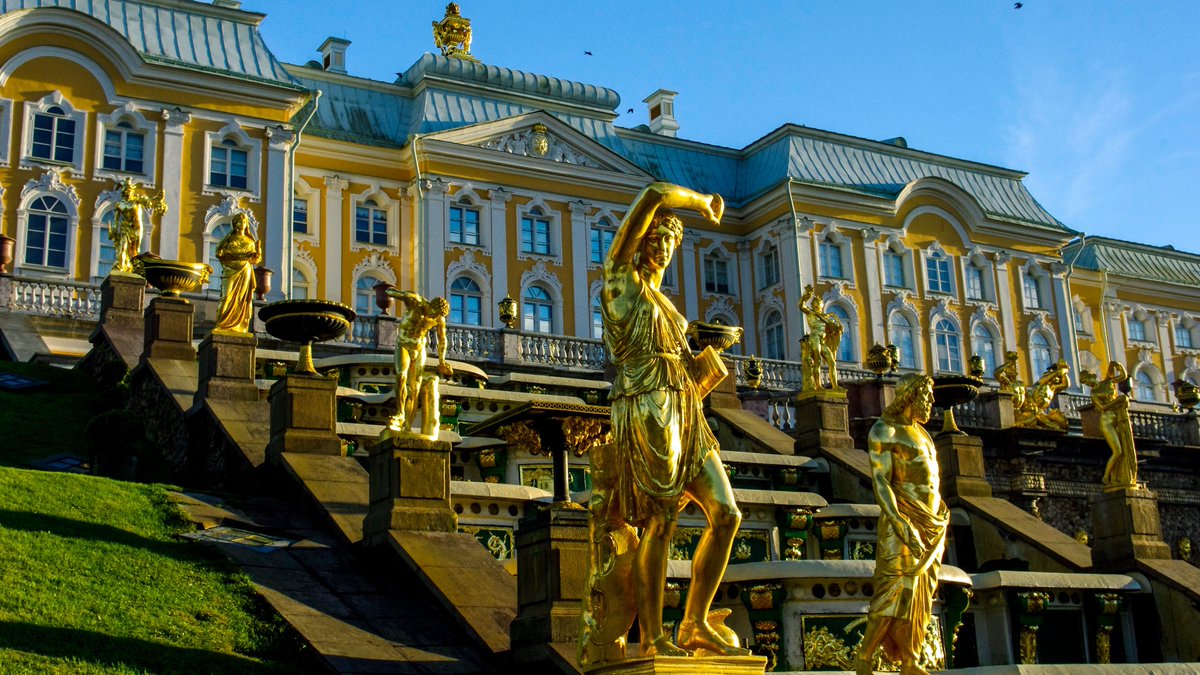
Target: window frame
{"points": [[42, 107], [48, 185], [599, 231], [464, 206], [391, 211], [311, 197], [138, 123], [947, 342], [538, 209], [769, 269], [232, 136], [716, 257], [547, 302], [774, 335], [989, 361], [913, 341], [464, 295]]}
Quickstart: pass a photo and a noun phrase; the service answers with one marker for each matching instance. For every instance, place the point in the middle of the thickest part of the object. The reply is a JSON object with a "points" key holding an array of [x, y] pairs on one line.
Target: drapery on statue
{"points": [[662, 451], [1121, 471], [1009, 377], [126, 230], [238, 253], [1035, 411], [452, 34], [912, 528], [820, 343], [413, 386]]}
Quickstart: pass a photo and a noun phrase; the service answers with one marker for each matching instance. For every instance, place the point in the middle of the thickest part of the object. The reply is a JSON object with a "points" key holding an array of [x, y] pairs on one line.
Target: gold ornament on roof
{"points": [[128, 225], [452, 34], [539, 140]]}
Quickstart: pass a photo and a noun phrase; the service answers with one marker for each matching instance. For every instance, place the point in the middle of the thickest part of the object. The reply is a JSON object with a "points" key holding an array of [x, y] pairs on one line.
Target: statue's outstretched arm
{"points": [[641, 212]]}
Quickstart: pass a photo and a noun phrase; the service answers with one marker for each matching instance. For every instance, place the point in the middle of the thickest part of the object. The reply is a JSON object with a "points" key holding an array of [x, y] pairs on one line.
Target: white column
{"points": [[277, 254], [746, 289], [687, 266], [498, 221], [1163, 319], [434, 237], [1062, 311], [800, 234], [1116, 331], [172, 182], [332, 241], [1004, 299], [579, 261], [873, 314]]}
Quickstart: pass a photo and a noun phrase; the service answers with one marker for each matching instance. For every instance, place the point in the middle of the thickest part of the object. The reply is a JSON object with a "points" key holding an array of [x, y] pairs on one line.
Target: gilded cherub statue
{"points": [[127, 229], [820, 343], [662, 451], [912, 529], [452, 34], [1121, 471], [412, 385], [238, 253], [1035, 412]]}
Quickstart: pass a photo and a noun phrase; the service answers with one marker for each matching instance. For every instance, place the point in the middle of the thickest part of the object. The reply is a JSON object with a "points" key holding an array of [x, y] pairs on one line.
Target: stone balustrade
{"points": [[48, 297]]}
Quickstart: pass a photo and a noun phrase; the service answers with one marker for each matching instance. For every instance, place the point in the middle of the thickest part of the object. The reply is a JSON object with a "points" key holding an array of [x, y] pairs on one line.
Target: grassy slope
{"points": [[50, 420]]}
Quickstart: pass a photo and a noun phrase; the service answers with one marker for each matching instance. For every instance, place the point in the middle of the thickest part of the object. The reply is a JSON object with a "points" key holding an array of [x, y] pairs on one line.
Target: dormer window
{"points": [[228, 167], [53, 135]]}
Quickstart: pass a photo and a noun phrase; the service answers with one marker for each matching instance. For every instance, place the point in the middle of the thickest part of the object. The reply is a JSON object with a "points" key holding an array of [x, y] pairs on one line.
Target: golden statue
{"points": [[1009, 376], [238, 253], [412, 385], [662, 451], [126, 230], [1035, 412], [452, 34], [820, 343], [912, 528], [1121, 471]]}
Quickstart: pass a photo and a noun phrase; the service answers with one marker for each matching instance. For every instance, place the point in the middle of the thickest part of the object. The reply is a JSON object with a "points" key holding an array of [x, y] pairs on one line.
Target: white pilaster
{"points": [[434, 237], [332, 241], [1004, 299], [1163, 319], [746, 287], [687, 266], [498, 221], [872, 274], [172, 182], [1062, 311], [579, 260], [276, 250], [1114, 313]]}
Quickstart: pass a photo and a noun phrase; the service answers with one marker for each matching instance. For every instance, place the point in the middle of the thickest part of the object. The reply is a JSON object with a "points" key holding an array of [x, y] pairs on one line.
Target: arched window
{"points": [[46, 234], [301, 288], [1143, 387], [539, 310], [218, 233], [1040, 356], [53, 135], [901, 331], [948, 346], [845, 349], [370, 223], [937, 269], [774, 341], [108, 252], [466, 302], [983, 345], [364, 294], [597, 318]]}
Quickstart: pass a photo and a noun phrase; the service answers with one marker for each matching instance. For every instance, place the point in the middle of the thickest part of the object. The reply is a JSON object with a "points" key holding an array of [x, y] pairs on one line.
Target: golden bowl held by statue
{"points": [[172, 277], [306, 322], [717, 335]]}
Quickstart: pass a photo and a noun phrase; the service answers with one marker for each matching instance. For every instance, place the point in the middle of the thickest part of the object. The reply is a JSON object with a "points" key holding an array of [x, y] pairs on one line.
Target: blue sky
{"points": [[1098, 101]]}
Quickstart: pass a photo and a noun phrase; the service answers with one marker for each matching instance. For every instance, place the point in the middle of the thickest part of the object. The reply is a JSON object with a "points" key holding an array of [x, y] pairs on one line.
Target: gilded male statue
{"points": [[662, 452], [1008, 374], [127, 230], [238, 253], [820, 343], [1035, 410], [912, 528], [1120, 473], [412, 385]]}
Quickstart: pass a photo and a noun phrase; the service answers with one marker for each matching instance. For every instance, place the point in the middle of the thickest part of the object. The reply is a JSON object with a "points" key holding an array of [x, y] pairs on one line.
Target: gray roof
{"points": [[1137, 261], [184, 33]]}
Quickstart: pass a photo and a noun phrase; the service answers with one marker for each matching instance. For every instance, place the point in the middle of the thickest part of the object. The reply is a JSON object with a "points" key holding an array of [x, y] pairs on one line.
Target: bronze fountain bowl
{"points": [[952, 390], [172, 277], [716, 335], [306, 321]]}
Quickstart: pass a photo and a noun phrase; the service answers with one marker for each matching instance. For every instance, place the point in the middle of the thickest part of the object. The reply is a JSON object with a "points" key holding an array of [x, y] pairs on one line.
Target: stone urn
{"points": [[382, 300], [508, 311], [952, 390], [172, 277], [306, 322], [262, 282], [753, 371], [717, 335], [7, 247]]}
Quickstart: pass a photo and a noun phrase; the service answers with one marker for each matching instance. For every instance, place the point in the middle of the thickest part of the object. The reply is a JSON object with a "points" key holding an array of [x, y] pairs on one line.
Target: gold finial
{"points": [[452, 34]]}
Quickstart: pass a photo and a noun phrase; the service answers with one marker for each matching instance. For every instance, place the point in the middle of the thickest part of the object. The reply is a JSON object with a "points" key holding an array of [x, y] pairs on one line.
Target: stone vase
{"points": [[262, 281], [7, 246]]}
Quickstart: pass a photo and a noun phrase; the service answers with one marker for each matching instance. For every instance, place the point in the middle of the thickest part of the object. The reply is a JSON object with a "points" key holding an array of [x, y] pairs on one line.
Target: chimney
{"points": [[333, 54], [662, 112], [228, 4]]}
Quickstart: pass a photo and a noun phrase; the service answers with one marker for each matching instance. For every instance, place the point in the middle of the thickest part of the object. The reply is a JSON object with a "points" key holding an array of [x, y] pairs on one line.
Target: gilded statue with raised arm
{"points": [[820, 343], [1113, 406], [413, 386], [662, 453], [1008, 374], [128, 225], [912, 529], [238, 253], [1035, 411]]}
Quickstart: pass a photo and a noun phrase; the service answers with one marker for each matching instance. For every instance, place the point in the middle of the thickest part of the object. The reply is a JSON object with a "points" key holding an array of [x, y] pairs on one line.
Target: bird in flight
{"points": [[586, 53], [630, 110], [1018, 5]]}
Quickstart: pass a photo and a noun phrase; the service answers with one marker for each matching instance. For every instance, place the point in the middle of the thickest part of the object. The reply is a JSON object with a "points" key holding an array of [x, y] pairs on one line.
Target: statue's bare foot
{"points": [[662, 646], [863, 667], [698, 635]]}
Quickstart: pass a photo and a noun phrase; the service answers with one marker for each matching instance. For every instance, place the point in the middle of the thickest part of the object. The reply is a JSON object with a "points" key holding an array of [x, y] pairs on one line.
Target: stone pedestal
{"points": [[552, 547], [997, 409], [227, 367], [409, 488], [1089, 420], [303, 416], [122, 299], [869, 398], [1126, 527], [168, 330], [677, 665], [822, 421], [960, 460], [385, 332]]}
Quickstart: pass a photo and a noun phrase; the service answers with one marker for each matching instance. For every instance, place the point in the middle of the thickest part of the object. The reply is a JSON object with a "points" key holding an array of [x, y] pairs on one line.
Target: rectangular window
{"points": [[466, 309], [53, 137], [464, 225], [46, 240], [770, 263], [716, 275], [123, 150], [831, 260], [228, 167], [370, 225], [1183, 336], [535, 236], [601, 240], [1137, 330], [893, 270], [1032, 292], [299, 215], [938, 269], [974, 283]]}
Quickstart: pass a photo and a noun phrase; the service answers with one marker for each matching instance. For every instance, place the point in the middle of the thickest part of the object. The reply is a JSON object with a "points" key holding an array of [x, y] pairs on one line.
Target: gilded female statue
{"points": [[1121, 471], [127, 227], [238, 253], [662, 453]]}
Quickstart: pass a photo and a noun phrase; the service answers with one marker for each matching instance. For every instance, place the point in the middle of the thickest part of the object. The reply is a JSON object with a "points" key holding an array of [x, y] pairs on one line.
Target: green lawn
{"points": [[95, 581], [46, 421]]}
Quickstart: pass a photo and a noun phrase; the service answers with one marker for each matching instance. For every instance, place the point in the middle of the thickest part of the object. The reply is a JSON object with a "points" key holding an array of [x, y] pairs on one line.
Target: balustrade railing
{"points": [[362, 331], [971, 414], [1164, 428], [472, 344], [554, 350], [777, 374], [55, 298], [1069, 404]]}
